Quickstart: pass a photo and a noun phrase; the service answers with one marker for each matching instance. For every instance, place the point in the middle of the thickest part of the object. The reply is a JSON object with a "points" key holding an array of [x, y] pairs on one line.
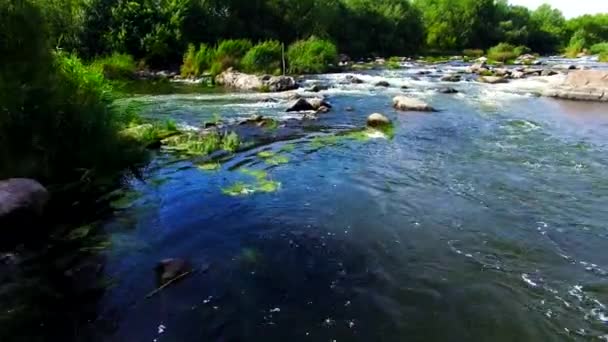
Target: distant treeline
{"points": [[159, 31]]}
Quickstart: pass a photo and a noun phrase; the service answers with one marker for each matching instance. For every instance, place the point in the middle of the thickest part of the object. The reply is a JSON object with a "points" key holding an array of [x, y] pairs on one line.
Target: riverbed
{"points": [[483, 221]]}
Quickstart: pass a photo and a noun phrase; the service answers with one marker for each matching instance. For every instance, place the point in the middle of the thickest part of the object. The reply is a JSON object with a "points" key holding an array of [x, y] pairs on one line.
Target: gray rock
{"points": [[20, 198], [518, 74], [447, 90], [502, 72], [492, 79], [311, 104], [238, 80], [317, 88], [451, 78], [410, 104], [548, 72], [383, 84], [377, 120], [352, 79], [478, 67], [582, 85]]}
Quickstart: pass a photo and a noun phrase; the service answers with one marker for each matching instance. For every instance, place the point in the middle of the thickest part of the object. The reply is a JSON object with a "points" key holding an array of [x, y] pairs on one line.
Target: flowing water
{"points": [[485, 221]]}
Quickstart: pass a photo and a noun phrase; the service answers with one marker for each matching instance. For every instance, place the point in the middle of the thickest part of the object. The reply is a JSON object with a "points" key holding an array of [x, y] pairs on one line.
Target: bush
{"points": [[196, 62], [603, 57], [577, 44], [472, 53], [116, 67], [230, 52], [522, 50], [56, 122], [311, 56], [264, 58], [599, 48], [502, 52]]}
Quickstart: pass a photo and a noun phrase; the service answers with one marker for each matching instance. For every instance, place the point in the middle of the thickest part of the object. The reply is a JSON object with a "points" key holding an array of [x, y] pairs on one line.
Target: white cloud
{"points": [[570, 8]]}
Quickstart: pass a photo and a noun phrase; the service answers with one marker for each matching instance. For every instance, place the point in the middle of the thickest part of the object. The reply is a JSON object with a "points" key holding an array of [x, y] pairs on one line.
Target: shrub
{"points": [[473, 53], [230, 52], [522, 50], [56, 122], [599, 48], [603, 57], [577, 44], [196, 62], [117, 66], [264, 58], [313, 55], [502, 52]]}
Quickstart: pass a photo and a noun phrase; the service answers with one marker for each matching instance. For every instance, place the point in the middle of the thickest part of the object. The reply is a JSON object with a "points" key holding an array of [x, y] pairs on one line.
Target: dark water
{"points": [[485, 221]]}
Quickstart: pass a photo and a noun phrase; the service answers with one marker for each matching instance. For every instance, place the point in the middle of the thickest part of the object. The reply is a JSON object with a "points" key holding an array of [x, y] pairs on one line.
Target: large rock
{"points": [[377, 120], [352, 79], [311, 104], [238, 80], [410, 104], [22, 203], [583, 85], [382, 84], [479, 67]]}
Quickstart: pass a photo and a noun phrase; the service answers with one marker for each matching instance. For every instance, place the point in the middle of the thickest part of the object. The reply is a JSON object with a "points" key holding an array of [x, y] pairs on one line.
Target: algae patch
{"points": [[209, 166], [261, 184]]}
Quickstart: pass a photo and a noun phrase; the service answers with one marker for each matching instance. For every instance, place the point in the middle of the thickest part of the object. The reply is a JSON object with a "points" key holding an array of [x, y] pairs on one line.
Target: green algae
{"points": [[266, 154], [209, 166], [277, 160]]}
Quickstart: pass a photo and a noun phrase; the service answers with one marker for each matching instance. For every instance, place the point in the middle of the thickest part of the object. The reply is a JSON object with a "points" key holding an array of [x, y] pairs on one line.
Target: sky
{"points": [[570, 8]]}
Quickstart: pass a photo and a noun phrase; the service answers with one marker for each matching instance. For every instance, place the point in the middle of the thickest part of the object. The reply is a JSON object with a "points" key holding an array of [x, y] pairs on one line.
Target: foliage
{"points": [[196, 62], [115, 67], [472, 53], [503, 52], [311, 56], [230, 52], [51, 103], [603, 57], [599, 48], [264, 57]]}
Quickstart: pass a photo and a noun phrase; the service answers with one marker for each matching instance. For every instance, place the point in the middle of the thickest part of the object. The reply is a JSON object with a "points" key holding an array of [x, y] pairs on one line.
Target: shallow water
{"points": [[485, 221]]}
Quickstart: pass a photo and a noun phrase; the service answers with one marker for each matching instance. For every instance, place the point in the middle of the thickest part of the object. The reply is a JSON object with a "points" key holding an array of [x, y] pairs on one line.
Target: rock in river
{"points": [[492, 79], [451, 78], [239, 80], [383, 84], [377, 120], [170, 269], [583, 85], [311, 104], [409, 104]]}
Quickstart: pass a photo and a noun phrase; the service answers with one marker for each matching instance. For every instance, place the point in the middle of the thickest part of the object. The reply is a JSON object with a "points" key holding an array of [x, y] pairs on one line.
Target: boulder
{"points": [[518, 74], [451, 78], [170, 269], [533, 72], [377, 120], [311, 104], [502, 72], [382, 84], [22, 203], [564, 67], [410, 104], [583, 85], [478, 67], [238, 80], [492, 79], [352, 79]]}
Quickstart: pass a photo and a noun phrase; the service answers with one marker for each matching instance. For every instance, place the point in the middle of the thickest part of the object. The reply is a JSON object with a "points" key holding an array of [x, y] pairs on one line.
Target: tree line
{"points": [[159, 31]]}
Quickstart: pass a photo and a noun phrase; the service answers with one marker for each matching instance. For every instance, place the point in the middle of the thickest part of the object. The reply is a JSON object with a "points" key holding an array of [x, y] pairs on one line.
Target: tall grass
{"points": [[116, 66], [230, 52], [264, 57], [503, 52], [313, 55], [197, 61]]}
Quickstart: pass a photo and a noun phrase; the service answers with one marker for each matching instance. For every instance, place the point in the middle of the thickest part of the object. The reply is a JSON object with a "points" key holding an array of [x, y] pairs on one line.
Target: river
{"points": [[484, 221]]}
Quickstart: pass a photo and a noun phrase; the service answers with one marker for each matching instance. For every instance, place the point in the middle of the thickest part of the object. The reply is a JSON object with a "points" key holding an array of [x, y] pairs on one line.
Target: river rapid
{"points": [[484, 221]]}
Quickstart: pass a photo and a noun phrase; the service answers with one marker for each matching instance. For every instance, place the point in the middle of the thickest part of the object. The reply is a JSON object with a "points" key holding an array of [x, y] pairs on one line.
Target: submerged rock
{"points": [[377, 120], [311, 104], [492, 79], [238, 80], [451, 78], [410, 104], [352, 79], [170, 269], [317, 88], [583, 85], [447, 90], [382, 84]]}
